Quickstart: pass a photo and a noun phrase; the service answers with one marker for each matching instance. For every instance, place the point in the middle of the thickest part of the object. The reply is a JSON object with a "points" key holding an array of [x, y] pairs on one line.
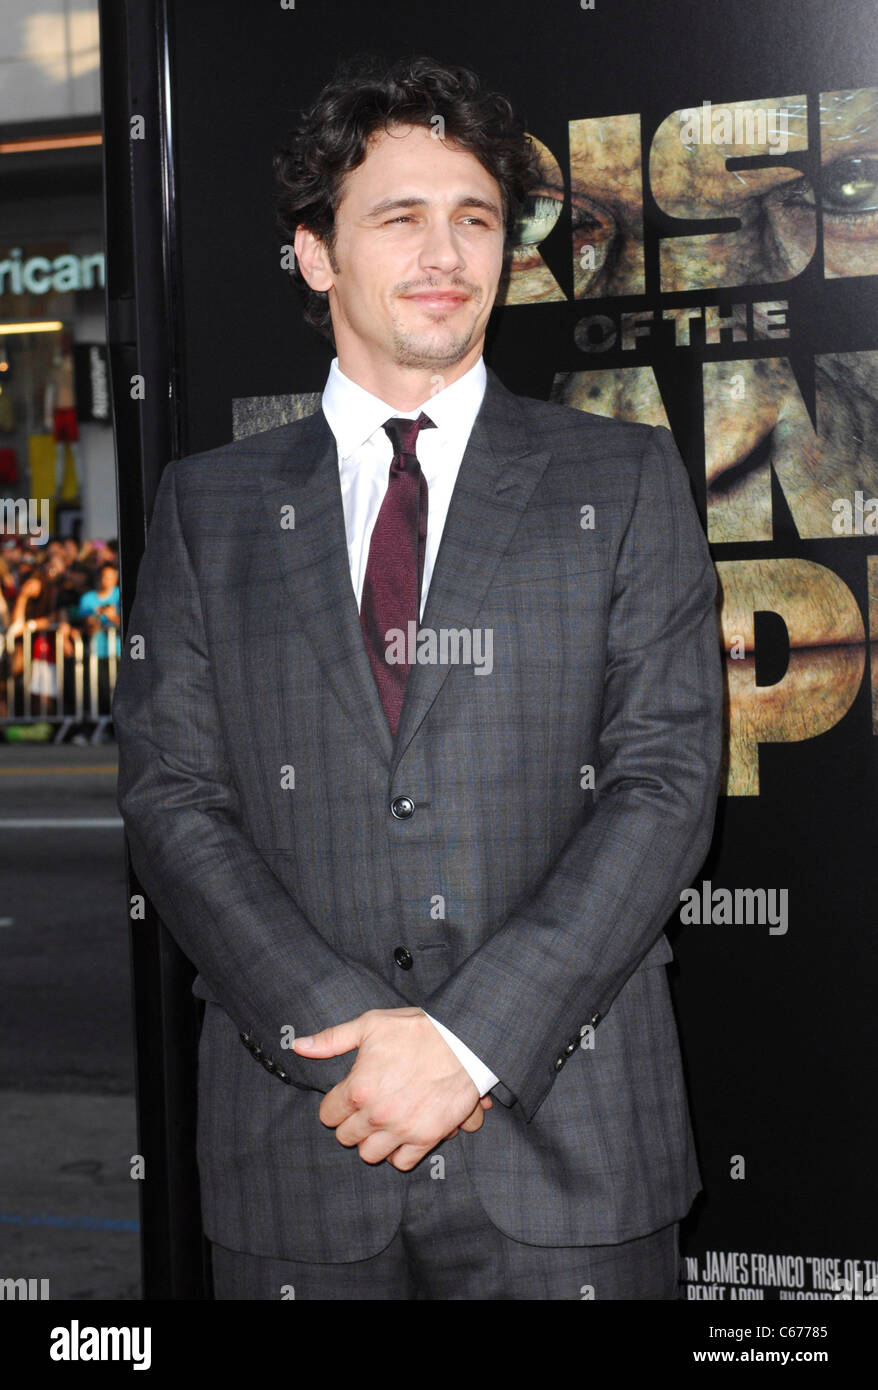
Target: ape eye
{"points": [[851, 185]]}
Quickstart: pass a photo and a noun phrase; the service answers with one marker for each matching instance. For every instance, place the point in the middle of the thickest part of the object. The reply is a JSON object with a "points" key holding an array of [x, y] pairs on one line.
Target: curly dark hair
{"points": [[368, 93]]}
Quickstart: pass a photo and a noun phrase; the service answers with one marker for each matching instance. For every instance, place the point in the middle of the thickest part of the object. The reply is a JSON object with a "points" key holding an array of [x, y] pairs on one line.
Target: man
{"points": [[419, 727]]}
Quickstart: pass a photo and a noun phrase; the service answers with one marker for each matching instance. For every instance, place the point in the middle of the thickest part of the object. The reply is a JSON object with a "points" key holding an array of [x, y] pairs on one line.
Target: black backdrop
{"points": [[777, 1026]]}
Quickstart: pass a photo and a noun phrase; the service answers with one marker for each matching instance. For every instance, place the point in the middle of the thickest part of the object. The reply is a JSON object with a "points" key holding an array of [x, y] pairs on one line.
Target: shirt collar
{"points": [[354, 414]]}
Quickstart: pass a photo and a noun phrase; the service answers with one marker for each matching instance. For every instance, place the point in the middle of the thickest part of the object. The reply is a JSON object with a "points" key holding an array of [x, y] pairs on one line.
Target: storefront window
{"points": [[51, 372]]}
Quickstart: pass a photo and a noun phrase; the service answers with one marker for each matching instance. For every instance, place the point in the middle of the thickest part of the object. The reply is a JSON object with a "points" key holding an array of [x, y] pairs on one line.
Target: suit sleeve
{"points": [[267, 965], [559, 960]]}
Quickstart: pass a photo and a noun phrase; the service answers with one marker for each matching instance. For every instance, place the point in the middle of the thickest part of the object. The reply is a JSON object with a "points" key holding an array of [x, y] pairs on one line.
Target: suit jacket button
{"points": [[403, 957], [595, 1020], [268, 1063], [559, 1062], [571, 1048], [401, 807]]}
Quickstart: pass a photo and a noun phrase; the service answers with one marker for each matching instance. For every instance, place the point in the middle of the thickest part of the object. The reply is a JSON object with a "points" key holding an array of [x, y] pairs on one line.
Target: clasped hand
{"points": [[405, 1092]]}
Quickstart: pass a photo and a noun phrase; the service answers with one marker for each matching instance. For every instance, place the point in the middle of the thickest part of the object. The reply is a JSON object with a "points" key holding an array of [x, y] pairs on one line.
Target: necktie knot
{"points": [[403, 434]]}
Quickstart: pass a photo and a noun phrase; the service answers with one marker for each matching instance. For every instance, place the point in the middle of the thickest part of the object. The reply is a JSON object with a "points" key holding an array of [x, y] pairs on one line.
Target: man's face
{"points": [[418, 253]]}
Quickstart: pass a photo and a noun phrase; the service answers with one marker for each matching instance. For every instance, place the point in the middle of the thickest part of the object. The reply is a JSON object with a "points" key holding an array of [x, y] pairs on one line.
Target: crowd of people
{"points": [[64, 587]]}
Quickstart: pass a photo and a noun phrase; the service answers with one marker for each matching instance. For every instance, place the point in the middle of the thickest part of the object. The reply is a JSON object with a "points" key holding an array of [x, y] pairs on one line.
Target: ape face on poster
{"points": [[702, 252]]}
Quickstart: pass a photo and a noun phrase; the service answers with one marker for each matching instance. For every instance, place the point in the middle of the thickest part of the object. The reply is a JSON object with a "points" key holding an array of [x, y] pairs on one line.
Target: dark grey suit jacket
{"points": [[529, 905]]}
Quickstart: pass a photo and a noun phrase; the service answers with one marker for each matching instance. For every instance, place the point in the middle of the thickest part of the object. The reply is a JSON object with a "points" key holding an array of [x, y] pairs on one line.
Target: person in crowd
{"points": [[69, 585], [98, 609], [37, 603]]}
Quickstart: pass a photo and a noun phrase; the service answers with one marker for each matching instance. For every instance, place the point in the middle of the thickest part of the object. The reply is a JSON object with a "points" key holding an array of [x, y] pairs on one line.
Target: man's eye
{"points": [[851, 185]]}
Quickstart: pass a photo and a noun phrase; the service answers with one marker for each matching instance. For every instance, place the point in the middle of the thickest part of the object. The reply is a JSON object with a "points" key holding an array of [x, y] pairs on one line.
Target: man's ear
{"points": [[313, 259]]}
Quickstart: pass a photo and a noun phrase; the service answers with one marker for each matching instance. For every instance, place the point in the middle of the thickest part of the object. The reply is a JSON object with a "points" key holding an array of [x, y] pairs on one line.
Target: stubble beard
{"points": [[423, 350], [430, 350]]}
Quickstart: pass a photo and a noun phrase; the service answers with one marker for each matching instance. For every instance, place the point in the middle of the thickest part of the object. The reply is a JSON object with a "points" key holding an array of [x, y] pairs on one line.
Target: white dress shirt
{"points": [[365, 454]]}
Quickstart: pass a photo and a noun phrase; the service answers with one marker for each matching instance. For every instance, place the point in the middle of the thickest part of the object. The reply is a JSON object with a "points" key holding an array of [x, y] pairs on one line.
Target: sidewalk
{"points": [[69, 1207]]}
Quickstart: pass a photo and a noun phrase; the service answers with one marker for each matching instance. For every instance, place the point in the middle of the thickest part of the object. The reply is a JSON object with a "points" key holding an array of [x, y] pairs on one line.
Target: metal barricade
{"points": [[72, 690]]}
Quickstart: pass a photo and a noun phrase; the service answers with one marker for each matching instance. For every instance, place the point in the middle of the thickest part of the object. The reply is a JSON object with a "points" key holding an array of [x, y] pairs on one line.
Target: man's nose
{"points": [[441, 249]]}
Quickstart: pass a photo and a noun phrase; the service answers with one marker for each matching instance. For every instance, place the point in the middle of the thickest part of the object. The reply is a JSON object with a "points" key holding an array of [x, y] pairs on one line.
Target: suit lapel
{"points": [[314, 563], [498, 474]]}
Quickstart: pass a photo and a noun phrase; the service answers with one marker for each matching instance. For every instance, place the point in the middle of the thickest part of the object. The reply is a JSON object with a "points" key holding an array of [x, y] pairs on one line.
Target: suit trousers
{"points": [[446, 1248]]}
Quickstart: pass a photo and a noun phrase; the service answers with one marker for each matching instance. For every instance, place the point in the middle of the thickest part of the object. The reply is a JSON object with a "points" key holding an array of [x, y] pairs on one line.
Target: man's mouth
{"points": [[438, 299]]}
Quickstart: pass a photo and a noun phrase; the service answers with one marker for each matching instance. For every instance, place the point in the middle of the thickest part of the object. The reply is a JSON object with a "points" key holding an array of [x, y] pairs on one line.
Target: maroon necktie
{"points": [[395, 568]]}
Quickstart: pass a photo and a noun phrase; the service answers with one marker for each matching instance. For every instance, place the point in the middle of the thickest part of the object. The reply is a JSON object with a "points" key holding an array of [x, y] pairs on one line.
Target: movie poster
{"points": [[701, 253]]}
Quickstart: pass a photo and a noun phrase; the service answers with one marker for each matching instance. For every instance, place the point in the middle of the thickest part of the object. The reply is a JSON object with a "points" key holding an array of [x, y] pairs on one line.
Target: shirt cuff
{"points": [[481, 1075]]}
